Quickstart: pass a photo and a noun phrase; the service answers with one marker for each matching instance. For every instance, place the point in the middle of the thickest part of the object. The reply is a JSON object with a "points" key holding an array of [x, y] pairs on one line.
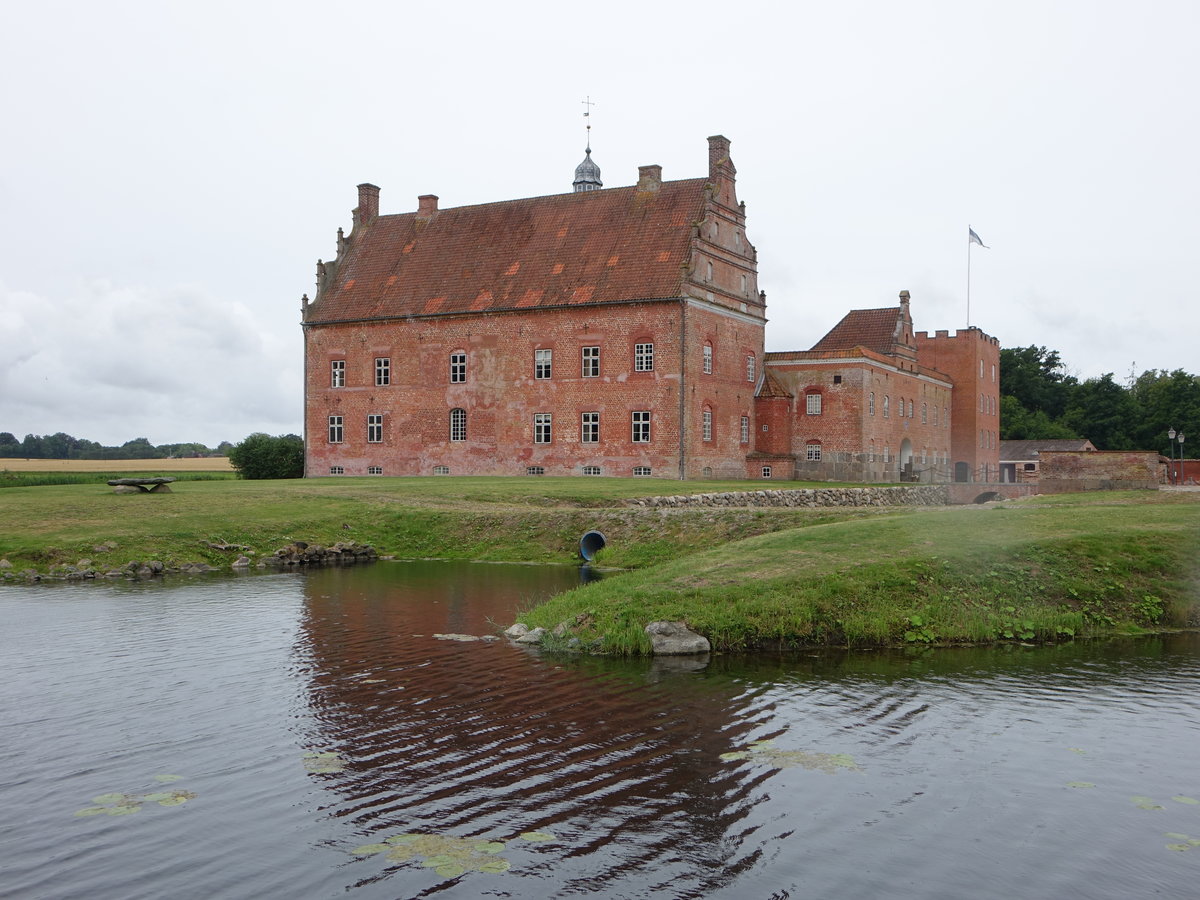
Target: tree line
{"points": [[1040, 401], [64, 446]]}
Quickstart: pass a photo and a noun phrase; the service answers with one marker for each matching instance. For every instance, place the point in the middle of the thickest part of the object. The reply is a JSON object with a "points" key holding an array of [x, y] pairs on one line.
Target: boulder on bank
{"points": [[676, 639], [301, 553]]}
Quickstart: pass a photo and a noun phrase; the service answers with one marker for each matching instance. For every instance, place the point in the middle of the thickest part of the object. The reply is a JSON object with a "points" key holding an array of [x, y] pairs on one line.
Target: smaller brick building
{"points": [[875, 401]]}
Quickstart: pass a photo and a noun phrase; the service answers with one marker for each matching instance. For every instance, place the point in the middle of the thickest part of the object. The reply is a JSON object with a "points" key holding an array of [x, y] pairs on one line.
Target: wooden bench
{"points": [[142, 485]]}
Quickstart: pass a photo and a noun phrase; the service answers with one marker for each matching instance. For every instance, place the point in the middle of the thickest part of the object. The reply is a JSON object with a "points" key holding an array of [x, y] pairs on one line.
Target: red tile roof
{"points": [[875, 329], [560, 250]]}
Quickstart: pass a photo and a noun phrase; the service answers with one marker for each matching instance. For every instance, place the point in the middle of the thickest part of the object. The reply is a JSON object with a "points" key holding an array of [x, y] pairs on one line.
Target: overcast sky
{"points": [[171, 172]]}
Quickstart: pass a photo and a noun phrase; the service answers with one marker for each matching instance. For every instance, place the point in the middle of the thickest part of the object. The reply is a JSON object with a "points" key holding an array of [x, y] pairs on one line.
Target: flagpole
{"points": [[969, 242]]}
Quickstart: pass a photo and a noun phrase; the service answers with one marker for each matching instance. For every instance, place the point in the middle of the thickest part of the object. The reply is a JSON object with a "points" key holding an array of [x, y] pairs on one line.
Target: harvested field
{"points": [[203, 464]]}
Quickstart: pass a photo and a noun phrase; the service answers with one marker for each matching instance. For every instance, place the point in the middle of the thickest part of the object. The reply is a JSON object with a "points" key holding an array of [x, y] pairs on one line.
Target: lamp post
{"points": [[1179, 470], [1171, 444]]}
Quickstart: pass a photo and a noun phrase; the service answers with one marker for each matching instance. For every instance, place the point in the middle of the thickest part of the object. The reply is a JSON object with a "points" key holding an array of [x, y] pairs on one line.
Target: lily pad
{"points": [[123, 809], [736, 754], [1080, 784], [1144, 803], [450, 870], [402, 838], [766, 752], [92, 811], [108, 799], [1190, 801], [167, 779], [1180, 847], [489, 847], [1176, 835], [495, 866], [326, 763], [370, 849], [173, 801], [538, 837], [432, 862], [157, 796]]}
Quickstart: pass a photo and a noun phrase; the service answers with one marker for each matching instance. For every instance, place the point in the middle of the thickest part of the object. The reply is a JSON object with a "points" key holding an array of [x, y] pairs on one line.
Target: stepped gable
{"points": [[875, 329], [589, 247]]}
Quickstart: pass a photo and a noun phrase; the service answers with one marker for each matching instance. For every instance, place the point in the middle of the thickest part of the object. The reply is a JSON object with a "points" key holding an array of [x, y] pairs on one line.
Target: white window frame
{"points": [[745, 429], [589, 362], [543, 428], [812, 451], [589, 428], [887, 403], [458, 367], [337, 373], [543, 364], [383, 371], [591, 470], [812, 404], [706, 424], [643, 357], [337, 470], [374, 470], [375, 428], [642, 471], [871, 404], [640, 426], [708, 359], [751, 368], [337, 432], [766, 471], [458, 425]]}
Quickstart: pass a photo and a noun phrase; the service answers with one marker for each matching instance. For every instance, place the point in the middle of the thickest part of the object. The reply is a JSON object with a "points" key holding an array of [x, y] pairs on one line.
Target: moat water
{"points": [[305, 735]]}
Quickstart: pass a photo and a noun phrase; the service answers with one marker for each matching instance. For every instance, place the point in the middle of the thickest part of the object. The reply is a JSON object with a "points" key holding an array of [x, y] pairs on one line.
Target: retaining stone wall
{"points": [[914, 495]]}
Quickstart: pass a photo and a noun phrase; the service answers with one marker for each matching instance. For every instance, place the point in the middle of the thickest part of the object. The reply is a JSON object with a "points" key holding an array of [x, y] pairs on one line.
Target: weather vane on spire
{"points": [[587, 114]]}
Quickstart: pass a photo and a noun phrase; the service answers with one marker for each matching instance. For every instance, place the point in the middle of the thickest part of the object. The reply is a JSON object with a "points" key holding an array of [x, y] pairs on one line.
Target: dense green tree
{"points": [[1165, 401], [1035, 377], [1103, 412], [263, 456], [1019, 424]]}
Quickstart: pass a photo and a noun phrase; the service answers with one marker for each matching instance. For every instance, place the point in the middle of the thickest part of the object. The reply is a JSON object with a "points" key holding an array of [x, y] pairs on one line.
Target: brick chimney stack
{"points": [[427, 206], [649, 178], [719, 163], [368, 204]]}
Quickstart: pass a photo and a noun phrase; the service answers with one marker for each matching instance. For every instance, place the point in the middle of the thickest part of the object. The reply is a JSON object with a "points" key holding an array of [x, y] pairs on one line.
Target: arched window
{"points": [[924, 413], [886, 404], [871, 404], [458, 424], [910, 409], [707, 420], [708, 358]]}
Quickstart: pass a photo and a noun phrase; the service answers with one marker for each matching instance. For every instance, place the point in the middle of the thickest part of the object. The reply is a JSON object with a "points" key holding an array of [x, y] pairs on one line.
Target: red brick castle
{"points": [[616, 332]]}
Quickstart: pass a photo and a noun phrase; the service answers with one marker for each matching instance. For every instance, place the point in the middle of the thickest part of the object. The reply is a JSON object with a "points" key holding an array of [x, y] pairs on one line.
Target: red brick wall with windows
{"points": [[501, 394], [972, 360]]}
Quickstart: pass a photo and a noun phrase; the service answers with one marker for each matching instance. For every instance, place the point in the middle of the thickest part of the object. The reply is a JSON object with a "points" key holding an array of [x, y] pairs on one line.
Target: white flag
{"points": [[974, 238]]}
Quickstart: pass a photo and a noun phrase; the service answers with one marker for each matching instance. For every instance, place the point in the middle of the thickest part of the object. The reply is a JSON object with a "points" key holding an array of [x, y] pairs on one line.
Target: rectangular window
{"points": [[871, 404], [707, 421], [542, 363], [374, 429], [337, 373], [750, 369], [458, 424], [335, 429], [541, 428], [813, 404], [458, 368], [643, 357], [641, 471], [589, 428], [708, 359], [766, 471], [745, 429], [641, 427], [535, 470], [591, 470], [591, 362], [441, 470], [374, 470], [383, 371], [813, 452], [337, 470]]}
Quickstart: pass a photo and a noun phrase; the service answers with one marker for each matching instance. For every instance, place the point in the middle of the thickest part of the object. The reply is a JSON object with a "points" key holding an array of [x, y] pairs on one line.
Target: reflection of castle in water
{"points": [[489, 740]]}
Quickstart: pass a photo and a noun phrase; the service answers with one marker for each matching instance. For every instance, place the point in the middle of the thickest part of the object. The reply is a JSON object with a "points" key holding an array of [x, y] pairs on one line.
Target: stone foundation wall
{"points": [[914, 495]]}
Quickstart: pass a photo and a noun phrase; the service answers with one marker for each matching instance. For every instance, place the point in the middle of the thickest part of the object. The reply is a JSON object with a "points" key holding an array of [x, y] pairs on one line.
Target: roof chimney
{"points": [[368, 204], [427, 206], [649, 178], [719, 162], [904, 298]]}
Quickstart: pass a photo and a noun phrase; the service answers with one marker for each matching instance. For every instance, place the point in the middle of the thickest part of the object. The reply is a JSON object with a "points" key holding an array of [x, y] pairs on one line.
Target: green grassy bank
{"points": [[1041, 569]]}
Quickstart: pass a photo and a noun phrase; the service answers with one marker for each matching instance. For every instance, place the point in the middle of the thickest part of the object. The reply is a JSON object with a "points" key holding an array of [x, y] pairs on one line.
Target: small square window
{"points": [[837, 379], [337, 470], [374, 470], [441, 470], [535, 470], [641, 471], [766, 471]]}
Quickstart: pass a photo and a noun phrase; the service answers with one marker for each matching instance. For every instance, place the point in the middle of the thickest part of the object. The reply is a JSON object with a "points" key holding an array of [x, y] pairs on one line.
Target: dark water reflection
{"points": [[971, 764]]}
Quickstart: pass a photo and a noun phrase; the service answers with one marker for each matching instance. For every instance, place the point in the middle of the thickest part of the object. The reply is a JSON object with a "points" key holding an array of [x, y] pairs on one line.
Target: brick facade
{"points": [[617, 332]]}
